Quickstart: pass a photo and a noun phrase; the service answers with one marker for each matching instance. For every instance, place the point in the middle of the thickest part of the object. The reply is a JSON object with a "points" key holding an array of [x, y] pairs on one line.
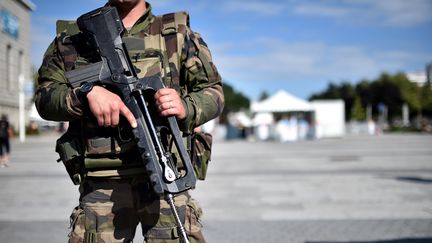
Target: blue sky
{"points": [[296, 45]]}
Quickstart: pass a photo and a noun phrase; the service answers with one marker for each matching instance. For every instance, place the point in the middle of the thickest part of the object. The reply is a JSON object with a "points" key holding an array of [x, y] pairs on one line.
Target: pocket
{"points": [[148, 66], [102, 147], [104, 237], [146, 55], [201, 153], [77, 225], [193, 216], [69, 149]]}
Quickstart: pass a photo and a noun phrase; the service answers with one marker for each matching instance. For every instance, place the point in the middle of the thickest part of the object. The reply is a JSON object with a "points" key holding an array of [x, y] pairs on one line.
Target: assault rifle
{"points": [[103, 28]]}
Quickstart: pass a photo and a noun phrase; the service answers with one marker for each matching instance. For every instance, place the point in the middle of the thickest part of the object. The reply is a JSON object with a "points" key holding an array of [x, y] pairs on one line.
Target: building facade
{"points": [[15, 44], [421, 78]]}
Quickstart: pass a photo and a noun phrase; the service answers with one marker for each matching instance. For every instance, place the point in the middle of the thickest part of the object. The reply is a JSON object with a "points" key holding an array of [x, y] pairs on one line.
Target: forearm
{"points": [[202, 106], [205, 100], [54, 98], [56, 101]]}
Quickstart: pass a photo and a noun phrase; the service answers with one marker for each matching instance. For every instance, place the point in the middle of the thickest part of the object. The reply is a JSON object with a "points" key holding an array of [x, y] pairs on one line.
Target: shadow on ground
{"points": [[414, 179], [407, 240]]}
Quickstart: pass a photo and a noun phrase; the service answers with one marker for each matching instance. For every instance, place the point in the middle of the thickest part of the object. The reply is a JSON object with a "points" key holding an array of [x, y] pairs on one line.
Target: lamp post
{"points": [[21, 98]]}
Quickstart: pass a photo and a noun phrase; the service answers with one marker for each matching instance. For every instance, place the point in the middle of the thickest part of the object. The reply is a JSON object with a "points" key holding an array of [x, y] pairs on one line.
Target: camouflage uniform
{"points": [[115, 194]]}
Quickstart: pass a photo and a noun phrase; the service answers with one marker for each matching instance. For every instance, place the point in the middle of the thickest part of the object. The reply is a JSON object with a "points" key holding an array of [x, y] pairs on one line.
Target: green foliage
{"points": [[264, 95], [234, 101], [343, 91], [390, 90], [386, 91], [426, 99], [358, 112]]}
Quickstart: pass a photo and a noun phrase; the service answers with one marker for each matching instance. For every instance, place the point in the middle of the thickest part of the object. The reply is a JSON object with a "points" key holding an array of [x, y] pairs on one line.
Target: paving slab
{"points": [[352, 189]]}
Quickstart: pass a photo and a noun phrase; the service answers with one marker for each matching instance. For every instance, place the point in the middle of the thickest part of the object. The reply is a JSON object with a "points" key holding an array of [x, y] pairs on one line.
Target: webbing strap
{"points": [[169, 29], [90, 237]]}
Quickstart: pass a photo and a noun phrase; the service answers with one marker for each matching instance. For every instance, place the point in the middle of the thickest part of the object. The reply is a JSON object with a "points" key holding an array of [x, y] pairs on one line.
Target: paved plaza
{"points": [[353, 189]]}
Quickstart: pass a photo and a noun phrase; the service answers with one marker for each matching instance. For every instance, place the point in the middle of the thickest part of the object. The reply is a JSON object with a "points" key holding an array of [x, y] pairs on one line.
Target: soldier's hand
{"points": [[107, 107], [169, 103]]}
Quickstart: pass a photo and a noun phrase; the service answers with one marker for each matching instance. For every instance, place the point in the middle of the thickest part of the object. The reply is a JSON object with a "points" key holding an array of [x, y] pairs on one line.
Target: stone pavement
{"points": [[354, 189]]}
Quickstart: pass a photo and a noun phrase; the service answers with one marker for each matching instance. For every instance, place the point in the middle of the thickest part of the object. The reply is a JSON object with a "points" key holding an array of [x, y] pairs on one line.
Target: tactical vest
{"points": [[154, 50]]}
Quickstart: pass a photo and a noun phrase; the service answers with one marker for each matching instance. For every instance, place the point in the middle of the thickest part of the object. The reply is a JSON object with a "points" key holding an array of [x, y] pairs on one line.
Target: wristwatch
{"points": [[83, 90], [86, 87]]}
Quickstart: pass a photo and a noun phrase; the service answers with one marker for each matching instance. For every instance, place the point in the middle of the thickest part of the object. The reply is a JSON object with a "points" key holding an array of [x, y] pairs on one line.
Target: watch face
{"points": [[86, 87]]}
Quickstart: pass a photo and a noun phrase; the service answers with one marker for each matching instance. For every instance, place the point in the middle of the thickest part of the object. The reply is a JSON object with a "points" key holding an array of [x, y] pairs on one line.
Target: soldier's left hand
{"points": [[169, 103]]}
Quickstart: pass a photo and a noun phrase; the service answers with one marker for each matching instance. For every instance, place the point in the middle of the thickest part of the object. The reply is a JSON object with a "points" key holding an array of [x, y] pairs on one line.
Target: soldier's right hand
{"points": [[107, 107]]}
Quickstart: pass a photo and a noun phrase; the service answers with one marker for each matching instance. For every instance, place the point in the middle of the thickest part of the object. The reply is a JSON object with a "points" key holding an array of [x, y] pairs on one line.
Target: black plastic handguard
{"points": [[103, 29]]}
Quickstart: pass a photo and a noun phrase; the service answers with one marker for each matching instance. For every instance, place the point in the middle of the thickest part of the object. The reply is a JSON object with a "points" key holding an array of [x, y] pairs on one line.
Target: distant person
{"points": [[5, 132]]}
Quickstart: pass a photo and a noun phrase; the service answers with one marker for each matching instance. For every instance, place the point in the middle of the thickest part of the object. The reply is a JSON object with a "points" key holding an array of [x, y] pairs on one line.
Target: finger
{"points": [[100, 120], [107, 119], [173, 109], [164, 92], [164, 99], [129, 116], [166, 106], [158, 94], [167, 112], [115, 117], [170, 110]]}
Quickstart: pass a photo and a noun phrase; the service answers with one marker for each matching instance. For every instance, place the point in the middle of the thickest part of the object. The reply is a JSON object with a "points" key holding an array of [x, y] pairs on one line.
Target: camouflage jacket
{"points": [[199, 82]]}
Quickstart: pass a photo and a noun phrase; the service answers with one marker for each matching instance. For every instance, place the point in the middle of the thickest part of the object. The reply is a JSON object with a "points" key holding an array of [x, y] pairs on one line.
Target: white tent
{"points": [[35, 117], [325, 117], [282, 101]]}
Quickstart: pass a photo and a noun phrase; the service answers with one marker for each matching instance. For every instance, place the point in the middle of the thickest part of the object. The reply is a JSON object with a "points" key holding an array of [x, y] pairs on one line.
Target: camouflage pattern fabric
{"points": [[199, 81], [111, 206], [110, 211], [186, 65], [201, 153]]}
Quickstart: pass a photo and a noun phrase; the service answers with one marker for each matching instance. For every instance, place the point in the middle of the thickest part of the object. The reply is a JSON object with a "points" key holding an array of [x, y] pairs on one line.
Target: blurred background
{"points": [[369, 62], [298, 76]]}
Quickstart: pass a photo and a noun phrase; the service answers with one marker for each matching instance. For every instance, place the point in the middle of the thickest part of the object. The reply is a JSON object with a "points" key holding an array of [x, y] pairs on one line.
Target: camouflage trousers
{"points": [[110, 210]]}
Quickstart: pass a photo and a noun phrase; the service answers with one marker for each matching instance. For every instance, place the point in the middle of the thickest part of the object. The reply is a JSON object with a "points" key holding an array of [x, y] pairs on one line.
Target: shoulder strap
{"points": [[174, 22], [66, 29], [67, 26], [171, 24]]}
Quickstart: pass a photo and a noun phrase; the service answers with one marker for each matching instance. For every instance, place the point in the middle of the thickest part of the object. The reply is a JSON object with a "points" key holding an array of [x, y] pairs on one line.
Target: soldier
{"points": [[115, 194]]}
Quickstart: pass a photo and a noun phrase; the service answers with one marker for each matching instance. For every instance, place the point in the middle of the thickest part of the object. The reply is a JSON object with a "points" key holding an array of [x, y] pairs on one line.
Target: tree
{"points": [[264, 95], [425, 99], [387, 91], [391, 90], [234, 101], [409, 91], [358, 112], [332, 92], [343, 91]]}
